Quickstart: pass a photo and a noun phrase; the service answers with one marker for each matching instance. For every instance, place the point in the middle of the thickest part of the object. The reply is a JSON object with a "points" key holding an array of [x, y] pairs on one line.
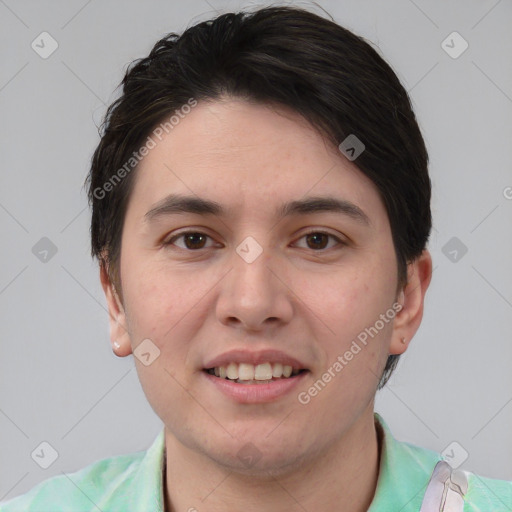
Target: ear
{"points": [[408, 320], [119, 336]]}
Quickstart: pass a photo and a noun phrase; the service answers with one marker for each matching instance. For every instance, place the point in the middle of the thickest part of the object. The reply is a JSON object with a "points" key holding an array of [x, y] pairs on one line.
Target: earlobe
{"points": [[120, 339], [412, 298], [121, 350], [398, 345]]}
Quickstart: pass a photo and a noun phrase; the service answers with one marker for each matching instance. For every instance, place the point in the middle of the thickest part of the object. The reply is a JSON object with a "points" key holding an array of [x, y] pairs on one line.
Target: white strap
{"points": [[446, 490]]}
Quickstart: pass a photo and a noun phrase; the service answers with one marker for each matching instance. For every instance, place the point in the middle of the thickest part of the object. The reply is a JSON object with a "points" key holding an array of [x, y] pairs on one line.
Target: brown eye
{"points": [[193, 240], [317, 240]]}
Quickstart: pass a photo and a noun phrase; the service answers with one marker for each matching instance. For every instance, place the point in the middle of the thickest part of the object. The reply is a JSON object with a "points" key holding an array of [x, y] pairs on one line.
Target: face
{"points": [[297, 289]]}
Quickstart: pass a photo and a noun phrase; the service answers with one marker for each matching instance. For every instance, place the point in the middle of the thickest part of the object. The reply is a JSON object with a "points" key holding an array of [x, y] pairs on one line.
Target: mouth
{"points": [[250, 374]]}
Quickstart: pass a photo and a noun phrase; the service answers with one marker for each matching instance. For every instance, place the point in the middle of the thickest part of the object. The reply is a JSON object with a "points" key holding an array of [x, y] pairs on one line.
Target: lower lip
{"points": [[256, 393]]}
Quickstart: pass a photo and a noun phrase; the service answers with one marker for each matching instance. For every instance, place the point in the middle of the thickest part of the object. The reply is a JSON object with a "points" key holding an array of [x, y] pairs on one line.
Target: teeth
{"points": [[262, 372], [240, 381], [249, 373], [232, 371], [277, 371], [245, 371]]}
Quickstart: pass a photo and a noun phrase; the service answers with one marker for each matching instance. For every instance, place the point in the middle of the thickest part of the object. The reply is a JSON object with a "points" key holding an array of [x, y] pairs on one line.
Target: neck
{"points": [[345, 474]]}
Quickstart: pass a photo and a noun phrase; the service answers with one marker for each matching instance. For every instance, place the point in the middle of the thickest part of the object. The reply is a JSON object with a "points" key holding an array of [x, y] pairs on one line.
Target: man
{"points": [[260, 210]]}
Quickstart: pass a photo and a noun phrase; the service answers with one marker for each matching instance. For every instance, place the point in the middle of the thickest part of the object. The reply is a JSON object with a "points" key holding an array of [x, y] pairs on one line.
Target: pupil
{"points": [[190, 238], [316, 235]]}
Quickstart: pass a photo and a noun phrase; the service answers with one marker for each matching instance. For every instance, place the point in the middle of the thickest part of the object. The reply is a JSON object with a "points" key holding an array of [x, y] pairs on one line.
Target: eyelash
{"points": [[184, 233]]}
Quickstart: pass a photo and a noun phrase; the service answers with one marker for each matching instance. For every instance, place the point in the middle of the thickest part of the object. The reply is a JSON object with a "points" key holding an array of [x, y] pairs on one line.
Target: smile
{"points": [[253, 391], [246, 373]]}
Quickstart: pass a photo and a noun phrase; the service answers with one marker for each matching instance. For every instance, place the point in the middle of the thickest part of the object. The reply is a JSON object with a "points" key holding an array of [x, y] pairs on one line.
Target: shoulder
{"points": [[405, 468], [482, 494], [84, 489], [485, 494]]}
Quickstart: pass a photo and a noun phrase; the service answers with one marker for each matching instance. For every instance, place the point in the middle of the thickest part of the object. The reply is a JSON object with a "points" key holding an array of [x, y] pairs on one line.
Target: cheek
{"points": [[153, 302], [165, 304], [350, 302], [159, 309]]}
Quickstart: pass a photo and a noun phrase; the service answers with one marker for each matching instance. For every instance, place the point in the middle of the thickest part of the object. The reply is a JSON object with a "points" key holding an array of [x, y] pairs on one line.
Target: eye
{"points": [[319, 239], [193, 240]]}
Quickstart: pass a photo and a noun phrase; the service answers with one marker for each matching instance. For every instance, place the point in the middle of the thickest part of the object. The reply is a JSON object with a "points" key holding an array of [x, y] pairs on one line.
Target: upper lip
{"points": [[255, 358]]}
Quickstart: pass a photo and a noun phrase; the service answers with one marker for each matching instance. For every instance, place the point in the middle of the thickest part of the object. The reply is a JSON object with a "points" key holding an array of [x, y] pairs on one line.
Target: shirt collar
{"points": [[404, 472], [149, 480]]}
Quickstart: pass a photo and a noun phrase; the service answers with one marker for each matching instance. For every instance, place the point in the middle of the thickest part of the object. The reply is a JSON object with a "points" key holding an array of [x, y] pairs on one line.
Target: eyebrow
{"points": [[179, 204]]}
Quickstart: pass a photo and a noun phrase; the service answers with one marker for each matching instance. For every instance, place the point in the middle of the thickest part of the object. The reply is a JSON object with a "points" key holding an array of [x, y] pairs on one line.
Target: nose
{"points": [[254, 295]]}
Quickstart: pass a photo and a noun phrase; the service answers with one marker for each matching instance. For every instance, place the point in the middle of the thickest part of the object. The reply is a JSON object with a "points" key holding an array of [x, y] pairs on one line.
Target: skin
{"points": [[194, 304]]}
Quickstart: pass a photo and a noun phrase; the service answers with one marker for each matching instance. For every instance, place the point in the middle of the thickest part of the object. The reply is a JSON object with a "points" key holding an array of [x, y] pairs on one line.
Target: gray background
{"points": [[59, 380]]}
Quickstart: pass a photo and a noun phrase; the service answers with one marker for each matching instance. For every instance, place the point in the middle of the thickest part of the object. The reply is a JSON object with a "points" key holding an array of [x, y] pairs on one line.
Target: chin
{"points": [[258, 454]]}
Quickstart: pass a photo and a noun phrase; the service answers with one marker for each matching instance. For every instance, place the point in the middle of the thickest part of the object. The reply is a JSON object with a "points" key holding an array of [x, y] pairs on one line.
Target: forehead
{"points": [[249, 156]]}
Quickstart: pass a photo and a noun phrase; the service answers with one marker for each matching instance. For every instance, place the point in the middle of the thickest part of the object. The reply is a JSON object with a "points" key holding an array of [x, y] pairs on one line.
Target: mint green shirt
{"points": [[134, 483]]}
